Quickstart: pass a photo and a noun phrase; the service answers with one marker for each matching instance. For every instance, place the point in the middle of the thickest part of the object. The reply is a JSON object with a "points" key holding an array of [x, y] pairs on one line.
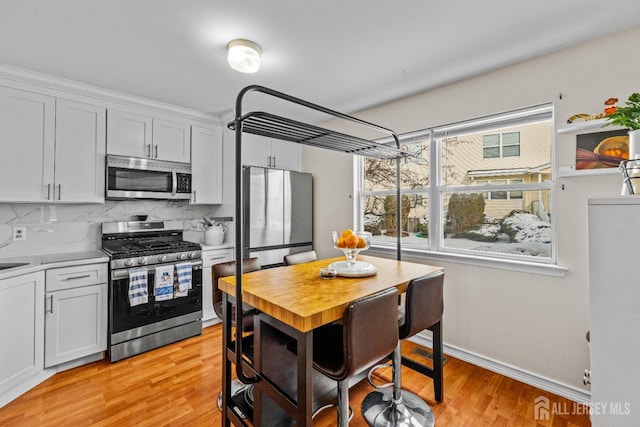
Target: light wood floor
{"points": [[177, 385]]}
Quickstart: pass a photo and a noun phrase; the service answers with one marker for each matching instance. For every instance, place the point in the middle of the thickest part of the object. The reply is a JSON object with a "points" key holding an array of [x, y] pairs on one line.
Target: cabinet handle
{"points": [[49, 191], [194, 196], [216, 257], [84, 276], [59, 191], [269, 161], [274, 161], [51, 304], [148, 150], [155, 148]]}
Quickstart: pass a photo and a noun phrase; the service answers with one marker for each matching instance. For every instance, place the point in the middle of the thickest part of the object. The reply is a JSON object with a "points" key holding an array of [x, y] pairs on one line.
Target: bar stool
{"points": [[396, 407], [225, 269], [300, 257], [368, 333]]}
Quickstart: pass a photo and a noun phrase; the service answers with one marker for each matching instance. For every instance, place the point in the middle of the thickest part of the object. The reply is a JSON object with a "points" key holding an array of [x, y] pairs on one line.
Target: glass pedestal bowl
{"points": [[351, 244]]}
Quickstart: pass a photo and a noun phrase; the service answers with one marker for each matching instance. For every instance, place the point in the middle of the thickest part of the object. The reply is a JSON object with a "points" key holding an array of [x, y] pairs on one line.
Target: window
{"points": [[501, 145], [482, 188]]}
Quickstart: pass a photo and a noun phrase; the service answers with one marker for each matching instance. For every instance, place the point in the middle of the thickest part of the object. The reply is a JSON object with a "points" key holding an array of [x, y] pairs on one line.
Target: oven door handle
{"points": [[124, 272]]}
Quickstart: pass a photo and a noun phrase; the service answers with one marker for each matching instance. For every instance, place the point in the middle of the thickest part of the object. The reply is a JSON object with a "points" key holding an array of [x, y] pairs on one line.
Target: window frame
{"points": [[434, 248]]}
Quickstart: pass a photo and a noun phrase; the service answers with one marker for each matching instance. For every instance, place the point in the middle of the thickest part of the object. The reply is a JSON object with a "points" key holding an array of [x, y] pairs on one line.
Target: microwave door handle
{"points": [[174, 183]]}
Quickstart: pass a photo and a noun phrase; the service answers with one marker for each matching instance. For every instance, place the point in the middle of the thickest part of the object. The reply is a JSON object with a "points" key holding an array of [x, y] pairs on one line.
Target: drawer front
{"points": [[216, 256], [76, 276]]}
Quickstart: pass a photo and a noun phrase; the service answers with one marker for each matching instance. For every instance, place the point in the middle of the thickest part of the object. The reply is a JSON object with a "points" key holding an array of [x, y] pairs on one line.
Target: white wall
{"points": [[527, 322]]}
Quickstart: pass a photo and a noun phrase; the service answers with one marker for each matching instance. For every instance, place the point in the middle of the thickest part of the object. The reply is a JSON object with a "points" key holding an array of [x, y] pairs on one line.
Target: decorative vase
{"points": [[214, 235], [634, 144], [631, 168]]}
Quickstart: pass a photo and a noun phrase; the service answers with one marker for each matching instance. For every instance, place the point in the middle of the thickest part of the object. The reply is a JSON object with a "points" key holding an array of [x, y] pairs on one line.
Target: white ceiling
{"points": [[345, 54]]}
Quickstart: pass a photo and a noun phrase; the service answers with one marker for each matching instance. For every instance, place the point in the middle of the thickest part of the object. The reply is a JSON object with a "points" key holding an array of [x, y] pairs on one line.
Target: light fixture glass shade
{"points": [[243, 55]]}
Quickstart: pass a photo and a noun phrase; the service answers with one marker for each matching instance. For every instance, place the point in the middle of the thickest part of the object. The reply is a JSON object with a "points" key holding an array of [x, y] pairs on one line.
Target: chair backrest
{"points": [[370, 330], [424, 304], [300, 257], [225, 269]]}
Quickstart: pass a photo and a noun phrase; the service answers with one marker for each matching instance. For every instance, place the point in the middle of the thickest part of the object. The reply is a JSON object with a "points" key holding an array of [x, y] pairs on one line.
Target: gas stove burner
{"points": [[149, 245]]}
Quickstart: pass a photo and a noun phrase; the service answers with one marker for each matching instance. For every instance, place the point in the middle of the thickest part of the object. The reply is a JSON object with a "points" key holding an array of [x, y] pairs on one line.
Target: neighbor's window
{"points": [[501, 145], [493, 193]]}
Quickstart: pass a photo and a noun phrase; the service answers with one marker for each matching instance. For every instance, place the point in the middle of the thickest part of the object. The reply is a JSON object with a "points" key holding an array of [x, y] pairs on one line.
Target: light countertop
{"points": [[34, 263]]}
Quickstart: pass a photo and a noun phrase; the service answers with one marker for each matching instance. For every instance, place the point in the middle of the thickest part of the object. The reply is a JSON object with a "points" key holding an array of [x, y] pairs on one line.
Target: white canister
{"points": [[214, 235]]}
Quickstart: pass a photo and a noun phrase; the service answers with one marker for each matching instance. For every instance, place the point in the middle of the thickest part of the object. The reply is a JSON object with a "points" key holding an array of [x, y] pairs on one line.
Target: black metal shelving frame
{"points": [[286, 129]]}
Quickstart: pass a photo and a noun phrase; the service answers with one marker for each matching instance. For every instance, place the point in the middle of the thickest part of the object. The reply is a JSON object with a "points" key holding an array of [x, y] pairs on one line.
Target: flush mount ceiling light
{"points": [[244, 55]]}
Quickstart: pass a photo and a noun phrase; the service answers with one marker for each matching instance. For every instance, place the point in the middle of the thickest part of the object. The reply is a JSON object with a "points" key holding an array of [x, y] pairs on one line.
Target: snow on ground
{"points": [[502, 246]]}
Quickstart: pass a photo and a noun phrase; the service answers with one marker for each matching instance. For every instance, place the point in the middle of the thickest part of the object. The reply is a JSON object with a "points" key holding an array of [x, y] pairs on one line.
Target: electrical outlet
{"points": [[19, 233]]}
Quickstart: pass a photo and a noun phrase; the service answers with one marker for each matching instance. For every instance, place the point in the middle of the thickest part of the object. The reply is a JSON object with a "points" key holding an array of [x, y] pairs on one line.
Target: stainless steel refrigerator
{"points": [[278, 213]]}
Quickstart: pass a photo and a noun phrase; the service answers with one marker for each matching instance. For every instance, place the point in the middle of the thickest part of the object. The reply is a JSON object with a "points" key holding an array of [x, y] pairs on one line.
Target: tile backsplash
{"points": [[75, 228]]}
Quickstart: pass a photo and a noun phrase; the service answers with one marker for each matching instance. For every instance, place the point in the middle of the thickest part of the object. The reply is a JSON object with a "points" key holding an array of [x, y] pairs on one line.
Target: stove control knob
{"points": [[162, 258], [142, 260], [181, 255], [191, 254], [128, 262]]}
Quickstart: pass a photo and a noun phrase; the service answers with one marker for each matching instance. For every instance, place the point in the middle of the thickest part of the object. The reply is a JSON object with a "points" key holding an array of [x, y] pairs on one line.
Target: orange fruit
{"points": [[341, 242], [352, 241], [347, 232], [361, 242]]}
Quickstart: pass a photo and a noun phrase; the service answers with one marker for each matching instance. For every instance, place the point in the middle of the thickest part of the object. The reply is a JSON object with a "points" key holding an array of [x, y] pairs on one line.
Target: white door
{"points": [[21, 328], [285, 155], [27, 132], [75, 323], [80, 152], [210, 258], [206, 165], [256, 150], [171, 141], [129, 134]]}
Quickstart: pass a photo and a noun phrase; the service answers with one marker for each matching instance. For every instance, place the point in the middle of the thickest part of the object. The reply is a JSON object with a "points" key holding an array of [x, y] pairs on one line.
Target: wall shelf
{"points": [[586, 125], [568, 171]]}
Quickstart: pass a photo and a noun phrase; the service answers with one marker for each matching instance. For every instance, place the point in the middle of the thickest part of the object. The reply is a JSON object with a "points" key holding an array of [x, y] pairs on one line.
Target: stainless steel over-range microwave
{"points": [[138, 178]]}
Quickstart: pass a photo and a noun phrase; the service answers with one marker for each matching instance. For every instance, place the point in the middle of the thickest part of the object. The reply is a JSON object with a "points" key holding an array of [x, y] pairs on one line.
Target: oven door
{"points": [[127, 322]]}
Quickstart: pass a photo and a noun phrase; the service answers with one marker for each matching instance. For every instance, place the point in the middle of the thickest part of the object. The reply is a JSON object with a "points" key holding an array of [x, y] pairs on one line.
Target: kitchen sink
{"points": [[7, 265]]}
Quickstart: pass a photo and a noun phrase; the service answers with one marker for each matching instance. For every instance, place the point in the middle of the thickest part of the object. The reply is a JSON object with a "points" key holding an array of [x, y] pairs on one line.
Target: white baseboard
{"points": [[543, 383]]}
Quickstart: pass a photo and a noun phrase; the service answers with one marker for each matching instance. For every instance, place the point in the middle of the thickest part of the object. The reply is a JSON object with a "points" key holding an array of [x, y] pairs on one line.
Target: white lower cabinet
{"points": [[21, 329], [210, 258], [75, 312]]}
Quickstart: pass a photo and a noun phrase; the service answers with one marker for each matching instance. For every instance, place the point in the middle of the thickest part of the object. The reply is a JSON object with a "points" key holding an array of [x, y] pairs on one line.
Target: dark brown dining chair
{"points": [[300, 257], [225, 269], [342, 350], [424, 306]]}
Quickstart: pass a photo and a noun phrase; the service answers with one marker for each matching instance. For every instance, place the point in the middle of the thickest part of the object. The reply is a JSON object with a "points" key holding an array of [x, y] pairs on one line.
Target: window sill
{"points": [[502, 264]]}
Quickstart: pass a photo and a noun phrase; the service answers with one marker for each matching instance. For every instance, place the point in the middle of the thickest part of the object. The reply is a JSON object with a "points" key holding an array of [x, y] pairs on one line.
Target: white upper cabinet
{"points": [[80, 152], [206, 165], [129, 134], [52, 150], [271, 153], [27, 141], [137, 134], [171, 141]]}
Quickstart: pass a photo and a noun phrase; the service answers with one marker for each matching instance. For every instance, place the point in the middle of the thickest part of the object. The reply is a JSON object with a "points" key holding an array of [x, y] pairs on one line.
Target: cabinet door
{"points": [[27, 132], [80, 152], [171, 141], [75, 323], [210, 258], [256, 150], [285, 155], [129, 134], [206, 165], [21, 328]]}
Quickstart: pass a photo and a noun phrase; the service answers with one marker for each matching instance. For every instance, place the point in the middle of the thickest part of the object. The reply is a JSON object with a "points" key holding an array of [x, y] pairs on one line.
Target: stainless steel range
{"points": [[155, 286]]}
